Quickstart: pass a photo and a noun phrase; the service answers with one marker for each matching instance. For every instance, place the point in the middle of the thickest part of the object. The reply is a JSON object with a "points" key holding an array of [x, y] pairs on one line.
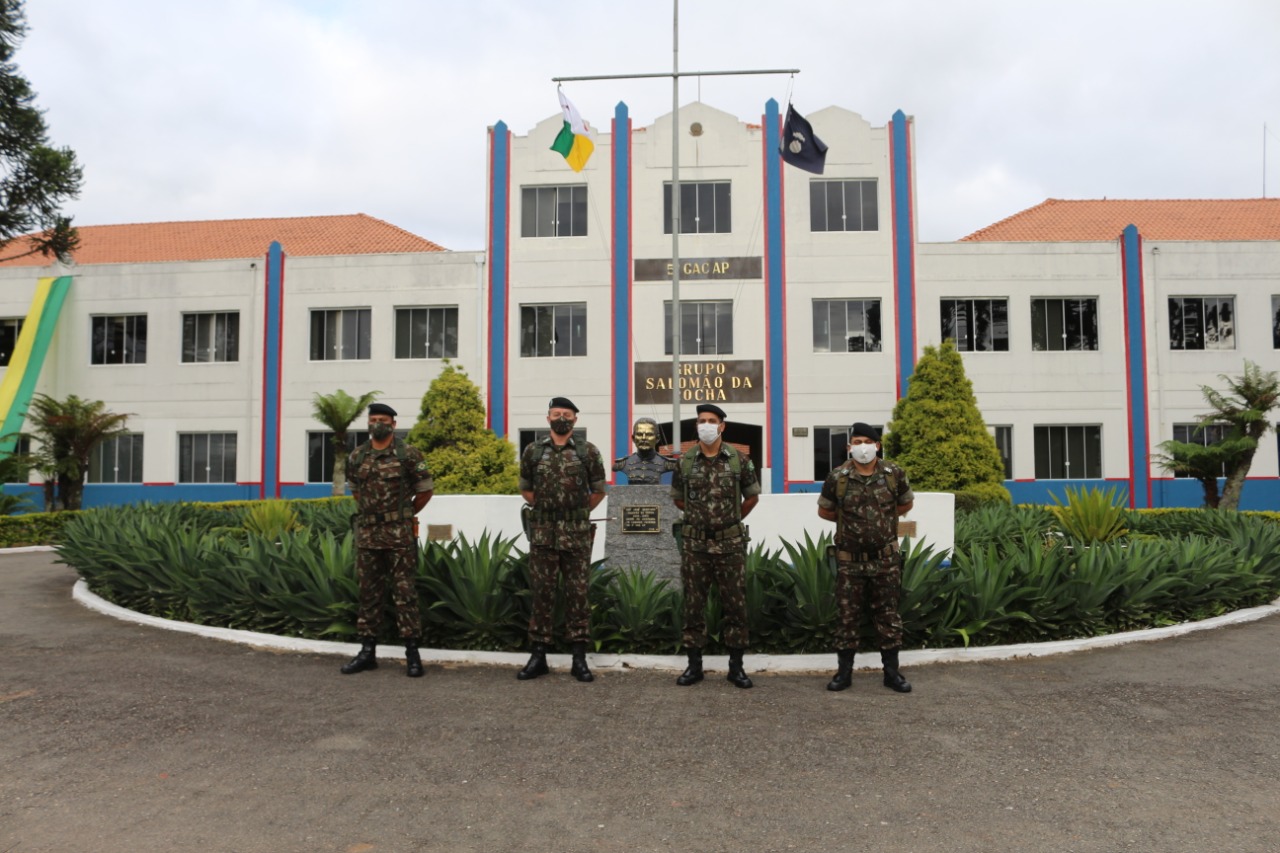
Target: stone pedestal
{"points": [[633, 510]]}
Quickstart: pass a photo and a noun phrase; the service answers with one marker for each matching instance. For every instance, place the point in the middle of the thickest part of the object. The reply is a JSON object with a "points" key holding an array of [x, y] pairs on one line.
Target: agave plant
{"points": [[1091, 515], [271, 519]]}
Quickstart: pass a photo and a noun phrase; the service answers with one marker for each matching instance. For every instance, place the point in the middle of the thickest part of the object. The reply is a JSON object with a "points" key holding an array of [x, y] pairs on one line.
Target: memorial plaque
{"points": [[907, 528], [641, 519], [439, 532]]}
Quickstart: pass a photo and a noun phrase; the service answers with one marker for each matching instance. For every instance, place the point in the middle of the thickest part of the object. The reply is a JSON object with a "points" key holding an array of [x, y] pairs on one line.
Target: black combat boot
{"points": [[844, 671], [412, 659], [580, 670], [366, 658], [892, 678], [537, 664], [737, 675], [693, 673]]}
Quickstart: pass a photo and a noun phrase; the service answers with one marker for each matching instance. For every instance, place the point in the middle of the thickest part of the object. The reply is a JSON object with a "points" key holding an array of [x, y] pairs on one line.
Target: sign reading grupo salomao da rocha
{"points": [[740, 381]]}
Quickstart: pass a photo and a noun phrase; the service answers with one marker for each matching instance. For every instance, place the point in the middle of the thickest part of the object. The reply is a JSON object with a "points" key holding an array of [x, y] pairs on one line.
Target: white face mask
{"points": [[708, 433], [863, 454]]}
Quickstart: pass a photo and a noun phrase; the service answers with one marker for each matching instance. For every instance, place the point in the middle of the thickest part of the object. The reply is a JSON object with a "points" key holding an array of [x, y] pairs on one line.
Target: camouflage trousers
{"points": [[877, 586], [377, 568], [698, 570], [552, 555]]}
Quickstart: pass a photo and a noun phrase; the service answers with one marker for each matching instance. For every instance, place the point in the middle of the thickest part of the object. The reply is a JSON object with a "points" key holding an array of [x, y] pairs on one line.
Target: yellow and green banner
{"points": [[20, 377], [573, 143]]}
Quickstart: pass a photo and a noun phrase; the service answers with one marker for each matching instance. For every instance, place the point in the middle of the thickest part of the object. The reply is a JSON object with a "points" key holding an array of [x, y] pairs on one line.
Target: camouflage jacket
{"points": [[384, 484], [867, 516], [714, 501], [562, 478]]}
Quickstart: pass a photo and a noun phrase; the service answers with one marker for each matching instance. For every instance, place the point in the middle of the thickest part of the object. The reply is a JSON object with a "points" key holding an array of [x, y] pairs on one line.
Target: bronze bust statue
{"points": [[646, 466]]}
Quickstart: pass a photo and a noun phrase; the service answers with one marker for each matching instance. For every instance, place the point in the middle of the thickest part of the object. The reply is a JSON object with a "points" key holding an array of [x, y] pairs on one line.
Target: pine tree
{"points": [[464, 456], [937, 434], [35, 179]]}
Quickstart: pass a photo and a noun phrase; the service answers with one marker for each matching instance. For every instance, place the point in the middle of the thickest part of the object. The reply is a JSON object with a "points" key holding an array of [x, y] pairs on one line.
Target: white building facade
{"points": [[805, 302]]}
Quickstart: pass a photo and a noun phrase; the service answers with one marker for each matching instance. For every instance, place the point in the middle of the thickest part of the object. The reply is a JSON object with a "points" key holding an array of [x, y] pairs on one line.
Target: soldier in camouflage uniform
{"points": [[715, 486], [561, 480], [391, 484], [865, 496], [645, 467]]}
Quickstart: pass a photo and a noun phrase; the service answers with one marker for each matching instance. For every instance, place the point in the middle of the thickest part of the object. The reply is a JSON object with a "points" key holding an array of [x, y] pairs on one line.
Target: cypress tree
{"points": [[938, 436], [464, 456]]}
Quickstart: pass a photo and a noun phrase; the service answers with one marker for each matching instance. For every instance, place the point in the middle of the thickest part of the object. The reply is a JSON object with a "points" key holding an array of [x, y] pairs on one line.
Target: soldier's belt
{"points": [[383, 517], [559, 515], [868, 556], [703, 534]]}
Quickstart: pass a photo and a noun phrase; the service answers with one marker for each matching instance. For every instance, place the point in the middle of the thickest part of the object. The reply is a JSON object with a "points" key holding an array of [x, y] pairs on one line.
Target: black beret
{"points": [[381, 409], [864, 430], [708, 408], [562, 403]]}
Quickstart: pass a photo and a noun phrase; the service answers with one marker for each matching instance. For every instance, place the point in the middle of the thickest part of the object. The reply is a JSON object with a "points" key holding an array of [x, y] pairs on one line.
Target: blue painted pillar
{"points": [[273, 334], [499, 252], [1135, 355], [904, 238], [621, 274], [775, 295]]}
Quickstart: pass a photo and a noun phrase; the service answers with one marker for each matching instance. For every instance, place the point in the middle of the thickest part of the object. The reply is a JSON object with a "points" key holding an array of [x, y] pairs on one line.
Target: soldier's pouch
{"points": [[833, 561], [543, 536], [526, 512]]}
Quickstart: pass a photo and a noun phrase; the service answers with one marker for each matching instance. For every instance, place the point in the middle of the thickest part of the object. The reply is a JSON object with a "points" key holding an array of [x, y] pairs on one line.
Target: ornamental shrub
{"points": [[937, 434]]}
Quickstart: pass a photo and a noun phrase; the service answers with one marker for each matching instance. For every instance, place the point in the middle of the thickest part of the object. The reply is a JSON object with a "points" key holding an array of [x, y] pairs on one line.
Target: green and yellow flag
{"points": [[573, 143]]}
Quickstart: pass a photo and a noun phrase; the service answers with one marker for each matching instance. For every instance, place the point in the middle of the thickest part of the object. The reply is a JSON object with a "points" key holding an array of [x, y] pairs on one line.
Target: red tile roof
{"points": [[1060, 220], [231, 239]]}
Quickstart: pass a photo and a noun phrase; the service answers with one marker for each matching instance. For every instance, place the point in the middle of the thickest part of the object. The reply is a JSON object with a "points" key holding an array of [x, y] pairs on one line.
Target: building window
{"points": [[704, 207], [119, 339], [427, 332], [1275, 322], [553, 211], [976, 325], [843, 206], [1004, 443], [529, 436], [553, 330], [1068, 452], [1205, 436], [846, 325], [117, 460], [1064, 324], [10, 328], [341, 335], [1202, 322], [706, 328], [207, 457], [211, 337], [21, 448]]}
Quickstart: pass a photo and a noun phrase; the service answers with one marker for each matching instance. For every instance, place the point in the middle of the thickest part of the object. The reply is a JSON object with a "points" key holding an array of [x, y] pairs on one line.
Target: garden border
{"points": [[788, 664]]}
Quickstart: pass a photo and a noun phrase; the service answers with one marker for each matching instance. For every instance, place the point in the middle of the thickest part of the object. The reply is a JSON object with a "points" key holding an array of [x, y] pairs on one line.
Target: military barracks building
{"points": [[1087, 327]]}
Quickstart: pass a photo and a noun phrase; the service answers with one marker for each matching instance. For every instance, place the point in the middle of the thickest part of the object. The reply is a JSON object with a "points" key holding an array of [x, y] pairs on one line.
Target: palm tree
{"points": [[337, 411], [1245, 411], [69, 431]]}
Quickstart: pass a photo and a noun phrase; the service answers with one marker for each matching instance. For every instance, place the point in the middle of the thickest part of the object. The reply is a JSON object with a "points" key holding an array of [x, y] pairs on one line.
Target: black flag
{"points": [[799, 146]]}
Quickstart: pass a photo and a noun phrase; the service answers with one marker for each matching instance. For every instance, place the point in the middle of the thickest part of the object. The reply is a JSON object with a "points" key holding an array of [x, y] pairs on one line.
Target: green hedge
{"points": [[1013, 578]]}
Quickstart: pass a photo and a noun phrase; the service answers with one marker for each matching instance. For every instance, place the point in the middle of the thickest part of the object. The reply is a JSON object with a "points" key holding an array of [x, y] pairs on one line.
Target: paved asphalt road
{"points": [[117, 737]]}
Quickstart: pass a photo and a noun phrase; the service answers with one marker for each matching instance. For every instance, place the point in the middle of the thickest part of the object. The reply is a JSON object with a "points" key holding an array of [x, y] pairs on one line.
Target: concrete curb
{"points": [[676, 663]]}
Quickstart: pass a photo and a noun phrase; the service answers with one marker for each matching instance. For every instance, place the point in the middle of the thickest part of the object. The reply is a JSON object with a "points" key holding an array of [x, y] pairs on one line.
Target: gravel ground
{"points": [[118, 737]]}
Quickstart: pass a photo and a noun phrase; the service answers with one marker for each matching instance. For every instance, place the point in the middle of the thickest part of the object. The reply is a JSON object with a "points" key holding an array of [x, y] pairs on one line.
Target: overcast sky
{"points": [[261, 108]]}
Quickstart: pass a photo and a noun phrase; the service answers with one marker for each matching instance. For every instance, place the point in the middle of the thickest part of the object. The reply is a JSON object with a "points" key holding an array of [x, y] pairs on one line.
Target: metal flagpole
{"points": [[675, 76]]}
